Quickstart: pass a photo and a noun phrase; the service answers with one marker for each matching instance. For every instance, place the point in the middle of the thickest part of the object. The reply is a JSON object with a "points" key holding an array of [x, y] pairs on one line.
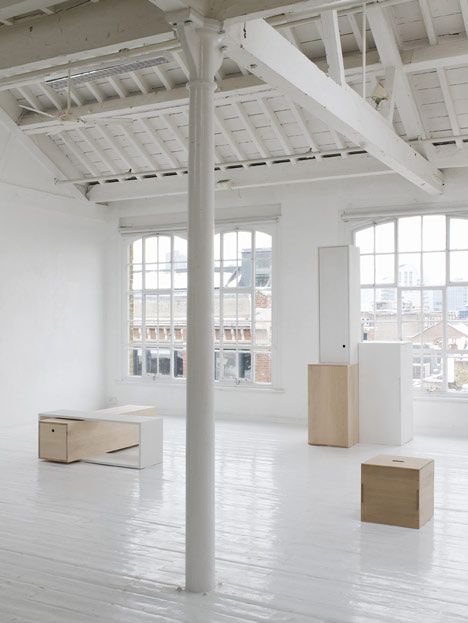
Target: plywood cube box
{"points": [[333, 405], [397, 490]]}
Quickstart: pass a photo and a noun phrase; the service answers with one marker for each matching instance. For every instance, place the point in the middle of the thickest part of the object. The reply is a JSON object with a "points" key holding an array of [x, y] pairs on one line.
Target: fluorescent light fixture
{"points": [[60, 84]]}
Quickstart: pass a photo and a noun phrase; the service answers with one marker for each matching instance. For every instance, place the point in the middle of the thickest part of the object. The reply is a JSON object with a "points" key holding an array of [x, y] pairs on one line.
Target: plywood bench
{"points": [[127, 436]]}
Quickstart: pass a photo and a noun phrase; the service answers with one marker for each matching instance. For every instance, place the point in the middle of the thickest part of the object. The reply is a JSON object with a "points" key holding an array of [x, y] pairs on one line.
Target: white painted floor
{"points": [[87, 543]]}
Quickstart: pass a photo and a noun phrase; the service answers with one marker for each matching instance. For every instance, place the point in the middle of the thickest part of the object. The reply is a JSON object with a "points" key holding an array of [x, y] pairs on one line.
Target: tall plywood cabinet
{"points": [[385, 392], [333, 405], [339, 304]]}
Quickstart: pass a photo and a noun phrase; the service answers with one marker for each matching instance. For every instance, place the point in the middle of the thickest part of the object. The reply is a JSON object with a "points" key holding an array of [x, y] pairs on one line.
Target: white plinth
{"points": [[385, 392]]}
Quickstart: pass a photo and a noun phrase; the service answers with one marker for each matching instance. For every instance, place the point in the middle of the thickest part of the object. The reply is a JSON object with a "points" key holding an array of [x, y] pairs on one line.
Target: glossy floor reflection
{"points": [[87, 543]]}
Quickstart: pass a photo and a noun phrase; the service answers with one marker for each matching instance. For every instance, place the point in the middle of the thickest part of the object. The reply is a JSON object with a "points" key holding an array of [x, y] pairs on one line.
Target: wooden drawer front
{"points": [[72, 440], [53, 441]]}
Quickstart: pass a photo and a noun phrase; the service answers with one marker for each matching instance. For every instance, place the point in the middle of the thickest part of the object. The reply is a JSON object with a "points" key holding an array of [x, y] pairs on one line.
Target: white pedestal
{"points": [[385, 393]]}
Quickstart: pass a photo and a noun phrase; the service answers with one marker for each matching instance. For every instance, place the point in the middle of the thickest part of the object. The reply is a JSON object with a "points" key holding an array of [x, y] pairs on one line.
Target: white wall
{"points": [[311, 217], [52, 257]]}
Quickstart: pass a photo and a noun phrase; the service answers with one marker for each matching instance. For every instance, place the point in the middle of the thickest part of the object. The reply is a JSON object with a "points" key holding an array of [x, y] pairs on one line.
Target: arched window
{"points": [[414, 286], [157, 306]]}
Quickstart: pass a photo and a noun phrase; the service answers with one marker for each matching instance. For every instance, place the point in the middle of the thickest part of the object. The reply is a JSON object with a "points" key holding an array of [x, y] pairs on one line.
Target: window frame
{"points": [[127, 239], [445, 353]]}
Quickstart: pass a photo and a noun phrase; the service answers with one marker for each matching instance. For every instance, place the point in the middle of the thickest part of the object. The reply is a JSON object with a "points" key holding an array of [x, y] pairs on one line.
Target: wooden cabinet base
{"points": [[66, 440], [397, 490], [333, 405]]}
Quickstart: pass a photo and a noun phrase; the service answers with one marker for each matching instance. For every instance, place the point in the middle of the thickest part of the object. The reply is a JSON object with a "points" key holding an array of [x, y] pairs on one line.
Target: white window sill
{"points": [[181, 383], [441, 397]]}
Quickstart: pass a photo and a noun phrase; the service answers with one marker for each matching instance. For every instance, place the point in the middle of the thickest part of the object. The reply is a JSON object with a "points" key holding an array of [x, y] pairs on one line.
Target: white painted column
{"points": [[201, 46]]}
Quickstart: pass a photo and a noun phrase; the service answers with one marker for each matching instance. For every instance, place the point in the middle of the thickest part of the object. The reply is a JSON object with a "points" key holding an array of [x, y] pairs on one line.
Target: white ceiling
{"points": [[253, 122]]}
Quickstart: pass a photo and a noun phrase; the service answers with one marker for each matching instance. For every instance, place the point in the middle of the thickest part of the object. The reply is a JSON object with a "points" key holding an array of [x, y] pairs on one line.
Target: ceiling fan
{"points": [[68, 119]]}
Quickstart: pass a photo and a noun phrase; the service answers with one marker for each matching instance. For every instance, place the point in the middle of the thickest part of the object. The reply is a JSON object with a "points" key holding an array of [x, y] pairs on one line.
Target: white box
{"points": [[339, 304], [385, 392]]}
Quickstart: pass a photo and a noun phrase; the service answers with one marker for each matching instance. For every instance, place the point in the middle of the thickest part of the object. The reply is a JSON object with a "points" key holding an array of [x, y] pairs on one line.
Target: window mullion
{"points": [[143, 307]]}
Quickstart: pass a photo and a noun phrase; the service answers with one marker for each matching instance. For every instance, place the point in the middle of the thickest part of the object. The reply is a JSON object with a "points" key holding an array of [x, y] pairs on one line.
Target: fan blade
{"points": [[38, 112]]}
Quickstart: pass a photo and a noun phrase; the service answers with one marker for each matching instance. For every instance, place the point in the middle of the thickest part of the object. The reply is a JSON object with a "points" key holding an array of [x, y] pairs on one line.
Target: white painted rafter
{"points": [[271, 117], [79, 155], [387, 45], [228, 137], [251, 129], [118, 149], [448, 100], [270, 56], [98, 150], [159, 143], [332, 41], [428, 23]]}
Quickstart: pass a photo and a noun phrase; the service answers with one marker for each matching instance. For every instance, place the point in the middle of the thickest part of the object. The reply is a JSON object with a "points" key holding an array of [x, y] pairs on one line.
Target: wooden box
{"points": [[333, 405], [66, 440], [397, 490]]}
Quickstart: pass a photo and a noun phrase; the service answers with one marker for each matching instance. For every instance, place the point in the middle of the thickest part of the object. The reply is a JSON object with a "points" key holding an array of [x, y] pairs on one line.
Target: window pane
{"points": [[151, 361], [385, 314], [135, 333], [411, 316], [433, 327], [263, 268], [364, 239], [263, 317], [367, 314], [385, 238], [229, 364], [164, 249], [385, 268], [164, 313], [230, 245], [135, 277], [151, 309], [180, 276], [164, 276], [229, 317], [367, 270], [262, 367], [135, 252], [459, 233], [230, 274], [459, 266], [151, 250], [409, 233], [245, 259], [409, 269], [433, 268], [457, 373], [432, 373], [262, 240], [164, 361], [434, 238], [180, 359], [180, 250], [134, 362], [244, 317], [135, 308], [151, 277], [245, 365], [457, 312]]}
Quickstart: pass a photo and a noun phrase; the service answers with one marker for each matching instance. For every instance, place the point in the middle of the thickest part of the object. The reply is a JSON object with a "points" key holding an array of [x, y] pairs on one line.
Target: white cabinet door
{"points": [[339, 316]]}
